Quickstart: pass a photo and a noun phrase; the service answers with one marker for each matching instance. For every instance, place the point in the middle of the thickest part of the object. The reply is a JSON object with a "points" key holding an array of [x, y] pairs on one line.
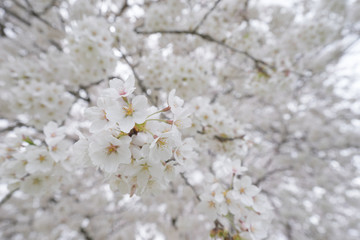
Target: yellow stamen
{"points": [[112, 148], [41, 158], [145, 166], [161, 142], [36, 181], [129, 110]]}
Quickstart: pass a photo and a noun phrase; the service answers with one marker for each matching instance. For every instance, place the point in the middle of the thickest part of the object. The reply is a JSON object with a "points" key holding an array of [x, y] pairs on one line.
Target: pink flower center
{"points": [[122, 92]]}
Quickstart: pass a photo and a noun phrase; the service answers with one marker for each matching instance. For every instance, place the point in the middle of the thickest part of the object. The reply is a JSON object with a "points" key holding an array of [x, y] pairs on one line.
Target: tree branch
{"points": [[206, 15], [77, 95], [191, 186], [12, 127], [288, 231], [139, 80], [123, 8], [259, 64], [48, 7], [15, 15], [8, 196], [272, 172], [85, 233], [226, 139], [209, 38], [34, 14]]}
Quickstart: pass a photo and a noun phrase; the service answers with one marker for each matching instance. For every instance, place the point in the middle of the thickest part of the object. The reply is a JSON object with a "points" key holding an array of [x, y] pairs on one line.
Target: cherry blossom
{"points": [[245, 191], [122, 88], [53, 134], [195, 119], [127, 113], [107, 151]]}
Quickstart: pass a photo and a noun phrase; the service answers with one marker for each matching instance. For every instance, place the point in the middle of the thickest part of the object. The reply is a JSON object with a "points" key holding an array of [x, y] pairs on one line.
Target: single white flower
{"points": [[256, 226], [261, 204], [208, 206], [245, 191], [162, 146], [212, 204], [225, 166], [148, 169], [118, 183], [154, 186], [185, 151], [80, 150], [35, 184], [232, 202], [175, 102], [107, 152], [171, 170], [39, 160], [128, 113], [119, 88], [14, 169], [59, 151], [182, 119], [98, 114], [53, 133]]}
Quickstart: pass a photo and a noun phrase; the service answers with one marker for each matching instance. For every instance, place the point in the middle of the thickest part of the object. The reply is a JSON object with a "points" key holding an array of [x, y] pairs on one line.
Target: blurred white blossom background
{"points": [[180, 119]]}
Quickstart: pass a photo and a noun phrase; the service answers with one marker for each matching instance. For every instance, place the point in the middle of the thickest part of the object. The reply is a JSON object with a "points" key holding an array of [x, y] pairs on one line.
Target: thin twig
{"points": [[8, 196], [123, 8], [206, 15], [272, 172], [226, 139], [12, 127], [191, 186], [77, 95], [48, 7], [55, 44], [208, 38], [259, 64], [139, 80], [2, 30], [85, 233], [15, 15], [288, 231], [34, 14]]}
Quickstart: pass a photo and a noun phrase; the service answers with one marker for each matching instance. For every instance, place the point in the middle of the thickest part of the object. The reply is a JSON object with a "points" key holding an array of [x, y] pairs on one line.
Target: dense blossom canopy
{"points": [[179, 119]]}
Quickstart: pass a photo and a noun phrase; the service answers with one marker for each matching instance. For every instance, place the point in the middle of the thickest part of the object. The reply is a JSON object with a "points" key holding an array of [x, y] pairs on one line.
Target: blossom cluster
{"points": [[30, 93], [89, 47], [238, 208], [212, 121], [228, 197], [260, 78], [164, 16], [165, 74], [33, 164], [40, 86], [40, 102], [139, 150]]}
